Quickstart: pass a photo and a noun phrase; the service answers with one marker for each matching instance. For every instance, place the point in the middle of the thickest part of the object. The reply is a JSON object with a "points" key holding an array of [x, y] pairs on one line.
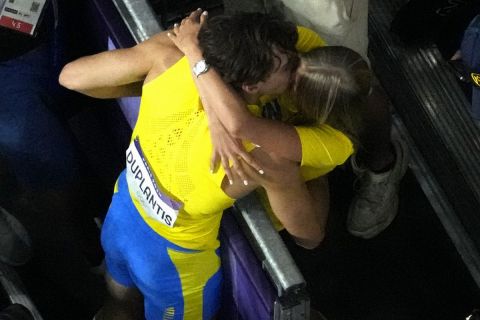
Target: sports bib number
{"points": [[141, 181]]}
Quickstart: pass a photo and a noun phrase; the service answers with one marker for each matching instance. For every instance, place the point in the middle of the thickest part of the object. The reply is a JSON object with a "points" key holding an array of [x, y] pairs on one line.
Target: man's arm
{"points": [[227, 105], [122, 72]]}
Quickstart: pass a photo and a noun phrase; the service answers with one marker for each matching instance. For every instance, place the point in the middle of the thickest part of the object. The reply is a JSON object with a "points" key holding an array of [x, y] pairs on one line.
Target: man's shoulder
{"points": [[161, 51], [163, 54], [175, 75]]}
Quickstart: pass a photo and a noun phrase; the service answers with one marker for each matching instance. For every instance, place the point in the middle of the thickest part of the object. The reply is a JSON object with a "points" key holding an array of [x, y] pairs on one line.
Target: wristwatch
{"points": [[200, 68]]}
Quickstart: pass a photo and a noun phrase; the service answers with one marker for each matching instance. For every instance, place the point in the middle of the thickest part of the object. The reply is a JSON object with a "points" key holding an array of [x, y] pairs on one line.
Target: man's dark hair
{"points": [[241, 47]]}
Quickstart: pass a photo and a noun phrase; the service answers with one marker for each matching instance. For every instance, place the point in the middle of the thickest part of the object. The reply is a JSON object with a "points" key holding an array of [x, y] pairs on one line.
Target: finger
{"points": [[214, 162], [250, 160], [195, 14], [238, 168], [250, 172], [203, 17], [247, 157], [176, 28], [226, 168]]}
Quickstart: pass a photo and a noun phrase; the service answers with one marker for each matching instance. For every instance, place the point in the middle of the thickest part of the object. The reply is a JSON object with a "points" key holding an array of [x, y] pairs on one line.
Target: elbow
{"points": [[68, 78], [312, 242]]}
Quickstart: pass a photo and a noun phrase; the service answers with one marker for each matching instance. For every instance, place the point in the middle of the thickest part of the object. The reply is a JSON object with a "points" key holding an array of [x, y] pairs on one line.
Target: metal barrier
{"points": [[11, 283]]}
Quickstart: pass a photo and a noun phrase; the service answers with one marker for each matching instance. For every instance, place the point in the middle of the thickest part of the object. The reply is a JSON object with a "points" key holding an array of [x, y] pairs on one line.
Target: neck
{"points": [[251, 98]]}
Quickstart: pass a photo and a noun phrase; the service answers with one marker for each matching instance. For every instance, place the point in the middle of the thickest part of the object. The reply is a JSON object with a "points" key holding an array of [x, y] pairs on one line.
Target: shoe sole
{"points": [[16, 247], [378, 228], [13, 287]]}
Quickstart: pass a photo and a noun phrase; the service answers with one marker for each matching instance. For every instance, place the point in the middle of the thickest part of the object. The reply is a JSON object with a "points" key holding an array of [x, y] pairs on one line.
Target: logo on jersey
{"points": [[475, 78]]}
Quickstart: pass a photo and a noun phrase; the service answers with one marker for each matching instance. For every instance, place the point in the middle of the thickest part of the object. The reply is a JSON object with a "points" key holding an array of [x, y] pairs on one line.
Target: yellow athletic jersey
{"points": [[308, 40], [173, 132]]}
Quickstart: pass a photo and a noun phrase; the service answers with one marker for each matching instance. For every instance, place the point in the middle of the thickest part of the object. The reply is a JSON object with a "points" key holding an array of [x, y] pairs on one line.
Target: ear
{"points": [[250, 88]]}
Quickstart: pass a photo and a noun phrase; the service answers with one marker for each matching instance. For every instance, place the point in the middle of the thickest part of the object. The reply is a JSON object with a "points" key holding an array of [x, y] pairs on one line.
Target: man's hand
{"points": [[185, 34]]}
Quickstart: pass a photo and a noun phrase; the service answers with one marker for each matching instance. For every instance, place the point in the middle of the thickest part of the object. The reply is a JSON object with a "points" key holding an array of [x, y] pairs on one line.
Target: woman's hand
{"points": [[229, 152], [185, 34]]}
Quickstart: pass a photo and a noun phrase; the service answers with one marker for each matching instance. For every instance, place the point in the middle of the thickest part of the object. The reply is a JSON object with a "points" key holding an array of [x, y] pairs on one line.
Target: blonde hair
{"points": [[331, 86]]}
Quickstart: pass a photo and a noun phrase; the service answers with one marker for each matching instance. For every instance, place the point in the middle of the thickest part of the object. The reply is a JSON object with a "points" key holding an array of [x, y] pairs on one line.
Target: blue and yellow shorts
{"points": [[177, 283]]}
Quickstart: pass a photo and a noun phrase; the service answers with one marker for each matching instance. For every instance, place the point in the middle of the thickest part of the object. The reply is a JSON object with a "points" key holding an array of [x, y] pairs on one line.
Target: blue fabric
{"points": [[470, 49], [471, 45], [211, 294], [38, 157], [35, 143], [136, 256]]}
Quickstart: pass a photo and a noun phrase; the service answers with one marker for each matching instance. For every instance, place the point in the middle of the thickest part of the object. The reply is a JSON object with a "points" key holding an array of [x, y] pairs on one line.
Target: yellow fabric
{"points": [[174, 136], [115, 188], [323, 149], [308, 40], [194, 274], [175, 139]]}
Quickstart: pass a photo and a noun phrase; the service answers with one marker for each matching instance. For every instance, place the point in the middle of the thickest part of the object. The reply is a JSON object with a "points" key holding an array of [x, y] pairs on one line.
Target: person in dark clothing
{"points": [[16, 312], [42, 165]]}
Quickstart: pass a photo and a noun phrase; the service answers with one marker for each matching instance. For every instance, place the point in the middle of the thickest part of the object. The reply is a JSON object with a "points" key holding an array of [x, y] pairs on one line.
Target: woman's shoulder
{"points": [[323, 145]]}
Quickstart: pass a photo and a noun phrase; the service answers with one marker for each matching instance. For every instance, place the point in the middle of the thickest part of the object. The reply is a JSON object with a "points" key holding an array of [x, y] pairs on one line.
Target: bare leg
{"points": [[376, 152], [122, 303], [379, 165]]}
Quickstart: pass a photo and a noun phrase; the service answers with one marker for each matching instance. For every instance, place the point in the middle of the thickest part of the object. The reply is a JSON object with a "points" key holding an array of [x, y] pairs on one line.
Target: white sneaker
{"points": [[16, 247], [375, 205]]}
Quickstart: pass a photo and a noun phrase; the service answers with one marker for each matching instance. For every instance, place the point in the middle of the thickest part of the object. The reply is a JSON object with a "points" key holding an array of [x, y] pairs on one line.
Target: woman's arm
{"points": [[301, 207], [227, 104]]}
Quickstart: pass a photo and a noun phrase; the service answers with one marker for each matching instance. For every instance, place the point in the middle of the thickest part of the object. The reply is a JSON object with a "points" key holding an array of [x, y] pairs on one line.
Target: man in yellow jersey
{"points": [[160, 234]]}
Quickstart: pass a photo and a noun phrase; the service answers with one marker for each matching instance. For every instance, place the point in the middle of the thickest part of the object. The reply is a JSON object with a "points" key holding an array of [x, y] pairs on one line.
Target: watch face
{"points": [[200, 67]]}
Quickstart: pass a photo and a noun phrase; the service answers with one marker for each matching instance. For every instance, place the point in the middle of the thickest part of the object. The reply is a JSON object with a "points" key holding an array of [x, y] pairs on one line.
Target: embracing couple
{"points": [[203, 86]]}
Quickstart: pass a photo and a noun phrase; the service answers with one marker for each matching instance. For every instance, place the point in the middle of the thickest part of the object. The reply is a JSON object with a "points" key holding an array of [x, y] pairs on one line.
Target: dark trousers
{"points": [[41, 182]]}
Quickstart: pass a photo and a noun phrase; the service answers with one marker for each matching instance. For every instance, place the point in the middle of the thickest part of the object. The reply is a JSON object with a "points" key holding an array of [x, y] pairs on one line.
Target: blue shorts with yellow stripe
{"points": [[177, 283]]}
